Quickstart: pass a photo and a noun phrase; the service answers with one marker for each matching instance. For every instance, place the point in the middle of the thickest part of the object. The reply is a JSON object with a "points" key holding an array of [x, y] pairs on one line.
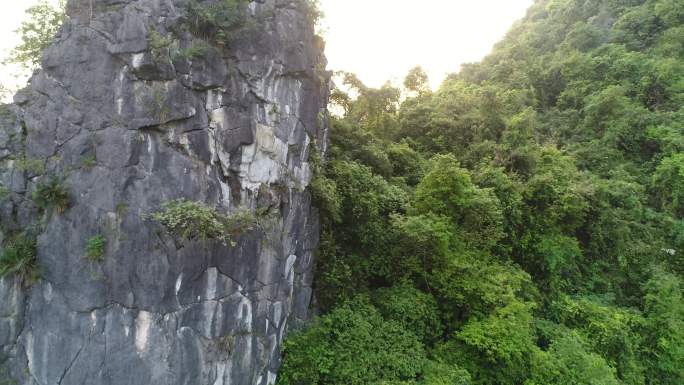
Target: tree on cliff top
{"points": [[36, 33]]}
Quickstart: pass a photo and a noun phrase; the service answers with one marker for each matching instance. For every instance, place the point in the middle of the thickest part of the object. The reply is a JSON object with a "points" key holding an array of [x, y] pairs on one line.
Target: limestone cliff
{"points": [[131, 110]]}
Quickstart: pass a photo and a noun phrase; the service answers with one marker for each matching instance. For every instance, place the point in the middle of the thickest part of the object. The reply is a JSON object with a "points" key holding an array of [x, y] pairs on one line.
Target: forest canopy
{"points": [[523, 224]]}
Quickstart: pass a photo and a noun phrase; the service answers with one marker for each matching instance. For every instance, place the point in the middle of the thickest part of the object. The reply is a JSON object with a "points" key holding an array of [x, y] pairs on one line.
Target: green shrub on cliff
{"points": [[51, 195], [18, 259], [95, 248], [196, 221], [218, 21]]}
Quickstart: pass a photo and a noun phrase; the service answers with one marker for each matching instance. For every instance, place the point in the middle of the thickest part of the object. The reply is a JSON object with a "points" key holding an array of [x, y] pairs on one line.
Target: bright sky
{"points": [[11, 16], [379, 40], [382, 40]]}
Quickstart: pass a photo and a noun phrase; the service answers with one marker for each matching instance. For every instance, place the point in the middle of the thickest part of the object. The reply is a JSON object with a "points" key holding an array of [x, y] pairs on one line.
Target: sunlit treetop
{"points": [[36, 32]]}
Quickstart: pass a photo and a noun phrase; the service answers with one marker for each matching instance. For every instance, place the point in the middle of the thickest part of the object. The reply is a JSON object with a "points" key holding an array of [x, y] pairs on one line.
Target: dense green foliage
{"points": [[196, 221], [217, 20], [523, 224], [222, 21]]}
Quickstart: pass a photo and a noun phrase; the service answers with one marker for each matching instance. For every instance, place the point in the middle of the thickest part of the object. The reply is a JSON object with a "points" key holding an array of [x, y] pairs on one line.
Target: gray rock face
{"points": [[130, 125]]}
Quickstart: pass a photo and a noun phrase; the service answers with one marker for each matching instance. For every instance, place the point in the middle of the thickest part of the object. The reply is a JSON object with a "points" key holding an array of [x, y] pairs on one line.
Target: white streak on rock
{"points": [[277, 315], [137, 59], [212, 278], [142, 330], [289, 265], [271, 379], [220, 373], [47, 292], [179, 282]]}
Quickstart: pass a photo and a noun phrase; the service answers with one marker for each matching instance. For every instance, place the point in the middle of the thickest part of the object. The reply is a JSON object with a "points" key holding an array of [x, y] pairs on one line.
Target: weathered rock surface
{"points": [[130, 127]]}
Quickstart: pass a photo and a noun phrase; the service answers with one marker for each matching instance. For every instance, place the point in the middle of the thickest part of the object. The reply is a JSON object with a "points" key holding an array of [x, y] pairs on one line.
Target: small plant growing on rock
{"points": [[156, 103], [196, 221], [31, 165], [225, 344], [95, 248], [51, 195], [89, 161], [4, 193], [157, 43], [217, 20], [196, 50], [19, 259], [121, 209]]}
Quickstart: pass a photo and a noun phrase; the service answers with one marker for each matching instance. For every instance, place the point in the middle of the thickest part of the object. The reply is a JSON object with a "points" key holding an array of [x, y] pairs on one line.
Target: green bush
{"points": [[19, 259], [437, 373], [51, 195], [568, 361], [324, 195], [95, 248], [196, 221], [196, 49], [406, 162], [447, 190], [610, 331], [415, 310], [352, 345], [668, 184], [89, 161], [157, 43], [217, 20], [664, 329], [323, 189]]}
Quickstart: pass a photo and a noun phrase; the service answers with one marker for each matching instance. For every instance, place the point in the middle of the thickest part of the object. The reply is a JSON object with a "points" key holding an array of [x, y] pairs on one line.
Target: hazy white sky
{"points": [[11, 15], [377, 39], [383, 39]]}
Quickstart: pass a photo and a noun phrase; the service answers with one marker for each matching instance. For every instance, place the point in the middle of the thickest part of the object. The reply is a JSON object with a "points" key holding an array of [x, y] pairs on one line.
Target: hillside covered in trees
{"points": [[520, 225]]}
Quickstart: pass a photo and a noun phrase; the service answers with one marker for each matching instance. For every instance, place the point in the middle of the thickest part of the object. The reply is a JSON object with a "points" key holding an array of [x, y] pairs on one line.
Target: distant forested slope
{"points": [[521, 225]]}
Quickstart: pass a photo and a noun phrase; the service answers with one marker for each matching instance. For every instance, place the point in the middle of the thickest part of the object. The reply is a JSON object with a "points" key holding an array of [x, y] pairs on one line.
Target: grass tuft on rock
{"points": [[19, 259]]}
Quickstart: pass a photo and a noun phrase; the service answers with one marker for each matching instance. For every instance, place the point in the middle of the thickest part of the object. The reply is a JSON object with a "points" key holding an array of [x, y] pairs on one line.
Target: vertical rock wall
{"points": [[129, 125]]}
